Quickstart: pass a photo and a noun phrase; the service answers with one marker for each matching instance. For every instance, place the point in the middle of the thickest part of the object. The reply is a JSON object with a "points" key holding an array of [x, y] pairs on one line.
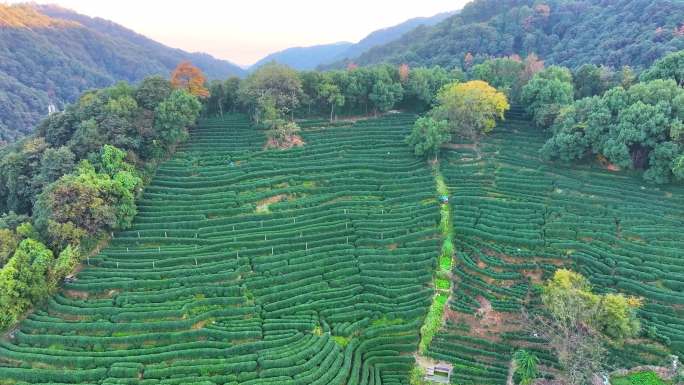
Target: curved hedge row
{"points": [[517, 219], [246, 266]]}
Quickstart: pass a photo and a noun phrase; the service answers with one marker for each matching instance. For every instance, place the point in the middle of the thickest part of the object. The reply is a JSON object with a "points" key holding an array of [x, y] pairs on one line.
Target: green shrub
{"points": [[640, 378]]}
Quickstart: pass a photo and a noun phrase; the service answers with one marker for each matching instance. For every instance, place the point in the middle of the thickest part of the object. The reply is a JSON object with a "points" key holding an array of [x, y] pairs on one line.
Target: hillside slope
{"points": [[305, 58], [570, 33], [303, 266], [50, 55], [386, 35], [308, 58], [518, 219]]}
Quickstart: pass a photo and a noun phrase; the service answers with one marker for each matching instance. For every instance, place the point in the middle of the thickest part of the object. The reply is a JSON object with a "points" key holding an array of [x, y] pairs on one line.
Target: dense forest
{"points": [[68, 185], [633, 126], [308, 58], [49, 55], [570, 33]]}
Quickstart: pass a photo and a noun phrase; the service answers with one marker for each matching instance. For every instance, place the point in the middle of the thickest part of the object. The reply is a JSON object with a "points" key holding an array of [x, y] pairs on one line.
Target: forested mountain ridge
{"points": [[568, 33], [305, 58], [389, 34], [308, 58], [213, 68], [49, 55]]}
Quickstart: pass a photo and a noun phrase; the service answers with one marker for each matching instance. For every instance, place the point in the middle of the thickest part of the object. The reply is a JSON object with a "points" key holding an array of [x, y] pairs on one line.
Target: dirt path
{"points": [[458, 146], [511, 371], [424, 362]]}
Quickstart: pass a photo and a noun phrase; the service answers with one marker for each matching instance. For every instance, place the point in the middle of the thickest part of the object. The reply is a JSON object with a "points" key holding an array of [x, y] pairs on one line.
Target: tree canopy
{"points": [[581, 323], [470, 108], [271, 83], [526, 366], [422, 85], [86, 202], [76, 179], [174, 114], [590, 80], [504, 74], [23, 280], [331, 94], [189, 78], [223, 96], [546, 93], [568, 33], [428, 136], [637, 128], [144, 122], [669, 67]]}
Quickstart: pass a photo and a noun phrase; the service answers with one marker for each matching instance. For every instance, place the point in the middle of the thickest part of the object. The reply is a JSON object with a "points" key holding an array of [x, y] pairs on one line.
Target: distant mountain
{"points": [[49, 55], [567, 32], [386, 35], [308, 58]]}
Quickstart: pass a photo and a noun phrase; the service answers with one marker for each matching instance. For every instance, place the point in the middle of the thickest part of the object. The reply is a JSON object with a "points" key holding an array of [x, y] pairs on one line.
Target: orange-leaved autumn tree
{"points": [[404, 72], [190, 78], [532, 65], [543, 9], [468, 60]]}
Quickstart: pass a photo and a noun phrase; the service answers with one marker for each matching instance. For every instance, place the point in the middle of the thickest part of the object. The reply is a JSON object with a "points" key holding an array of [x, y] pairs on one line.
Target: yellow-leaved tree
{"points": [[580, 325], [470, 108], [462, 109]]}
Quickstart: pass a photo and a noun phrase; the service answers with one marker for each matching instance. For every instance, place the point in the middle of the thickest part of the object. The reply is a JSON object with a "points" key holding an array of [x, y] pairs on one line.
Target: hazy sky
{"points": [[246, 30]]}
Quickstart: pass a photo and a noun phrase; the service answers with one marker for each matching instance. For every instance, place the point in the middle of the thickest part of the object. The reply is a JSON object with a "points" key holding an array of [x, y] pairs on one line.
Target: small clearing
{"points": [[262, 205], [487, 323], [290, 142]]}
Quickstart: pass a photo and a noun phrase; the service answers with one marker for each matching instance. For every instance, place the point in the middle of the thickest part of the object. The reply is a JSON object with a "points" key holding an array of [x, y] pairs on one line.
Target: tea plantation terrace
{"points": [[518, 219], [304, 266]]}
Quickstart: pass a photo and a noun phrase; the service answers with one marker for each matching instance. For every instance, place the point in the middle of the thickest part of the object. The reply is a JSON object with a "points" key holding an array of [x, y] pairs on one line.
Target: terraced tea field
{"points": [[305, 266], [314, 265], [516, 219]]}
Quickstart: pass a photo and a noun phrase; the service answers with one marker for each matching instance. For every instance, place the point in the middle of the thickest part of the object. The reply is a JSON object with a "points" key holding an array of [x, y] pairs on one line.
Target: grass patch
{"points": [[416, 376], [442, 188], [446, 258], [442, 284], [445, 263], [193, 311], [445, 220], [384, 321], [122, 334], [639, 378], [427, 201], [433, 321], [445, 226], [263, 209], [342, 341]]}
